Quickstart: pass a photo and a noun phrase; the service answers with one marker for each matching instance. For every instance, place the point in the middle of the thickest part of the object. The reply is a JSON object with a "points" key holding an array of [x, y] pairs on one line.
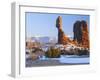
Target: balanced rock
{"points": [[62, 38]]}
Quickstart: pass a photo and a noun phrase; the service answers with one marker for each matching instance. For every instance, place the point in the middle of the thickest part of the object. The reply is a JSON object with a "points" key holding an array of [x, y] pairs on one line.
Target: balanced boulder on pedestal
{"points": [[62, 38]]}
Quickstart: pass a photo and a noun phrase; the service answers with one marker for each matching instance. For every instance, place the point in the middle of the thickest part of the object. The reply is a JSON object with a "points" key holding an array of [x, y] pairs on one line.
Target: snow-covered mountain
{"points": [[44, 39]]}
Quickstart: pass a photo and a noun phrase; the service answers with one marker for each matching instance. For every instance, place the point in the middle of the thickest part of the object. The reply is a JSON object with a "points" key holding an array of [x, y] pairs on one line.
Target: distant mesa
{"points": [[80, 30]]}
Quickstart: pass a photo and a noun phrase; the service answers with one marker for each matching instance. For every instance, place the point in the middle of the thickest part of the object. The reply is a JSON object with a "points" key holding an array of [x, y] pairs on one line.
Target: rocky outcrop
{"points": [[77, 29], [85, 34], [81, 34], [62, 38], [80, 30]]}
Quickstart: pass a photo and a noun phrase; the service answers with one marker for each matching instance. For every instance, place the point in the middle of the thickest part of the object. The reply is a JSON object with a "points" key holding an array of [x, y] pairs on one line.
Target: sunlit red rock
{"points": [[62, 38], [80, 30]]}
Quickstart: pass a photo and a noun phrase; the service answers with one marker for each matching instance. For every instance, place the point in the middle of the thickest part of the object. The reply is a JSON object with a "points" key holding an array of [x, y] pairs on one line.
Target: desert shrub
{"points": [[34, 57], [84, 52], [52, 53]]}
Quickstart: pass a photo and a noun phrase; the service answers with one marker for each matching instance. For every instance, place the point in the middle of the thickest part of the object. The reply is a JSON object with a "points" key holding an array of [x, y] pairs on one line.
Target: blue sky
{"points": [[44, 24]]}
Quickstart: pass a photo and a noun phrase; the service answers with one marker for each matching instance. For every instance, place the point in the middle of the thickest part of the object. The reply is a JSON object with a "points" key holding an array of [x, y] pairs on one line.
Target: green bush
{"points": [[52, 53]]}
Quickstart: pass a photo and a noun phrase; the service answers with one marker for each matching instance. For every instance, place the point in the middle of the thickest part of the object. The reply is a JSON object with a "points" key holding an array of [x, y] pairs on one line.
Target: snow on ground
{"points": [[63, 60]]}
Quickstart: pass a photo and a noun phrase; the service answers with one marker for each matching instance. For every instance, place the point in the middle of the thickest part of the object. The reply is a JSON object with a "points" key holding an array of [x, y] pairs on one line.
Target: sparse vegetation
{"points": [[52, 53], [83, 52]]}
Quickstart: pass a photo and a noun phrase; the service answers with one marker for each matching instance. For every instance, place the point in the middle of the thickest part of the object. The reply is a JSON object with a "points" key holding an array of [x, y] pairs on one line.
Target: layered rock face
{"points": [[81, 34], [62, 38]]}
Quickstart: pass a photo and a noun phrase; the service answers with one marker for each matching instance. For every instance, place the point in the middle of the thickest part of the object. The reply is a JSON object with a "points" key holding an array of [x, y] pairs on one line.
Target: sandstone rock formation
{"points": [[85, 34], [77, 29], [62, 38], [81, 34]]}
